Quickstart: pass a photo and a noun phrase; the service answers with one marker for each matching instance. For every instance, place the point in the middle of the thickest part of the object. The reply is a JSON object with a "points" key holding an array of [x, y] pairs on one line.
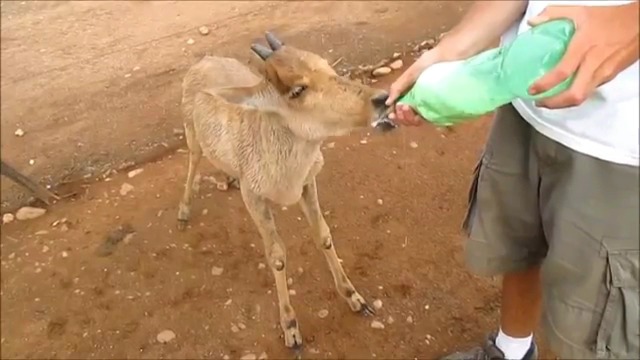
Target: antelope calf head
{"points": [[321, 102]]}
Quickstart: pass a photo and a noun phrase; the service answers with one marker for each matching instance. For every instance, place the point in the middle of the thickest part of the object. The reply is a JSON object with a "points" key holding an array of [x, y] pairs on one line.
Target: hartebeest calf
{"points": [[264, 132]]}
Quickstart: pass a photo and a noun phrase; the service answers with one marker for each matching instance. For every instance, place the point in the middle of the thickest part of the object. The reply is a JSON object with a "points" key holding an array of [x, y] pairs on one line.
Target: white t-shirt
{"points": [[606, 126]]}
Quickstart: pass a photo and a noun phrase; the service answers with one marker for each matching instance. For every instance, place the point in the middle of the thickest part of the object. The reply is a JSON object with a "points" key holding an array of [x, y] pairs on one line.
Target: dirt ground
{"points": [[67, 292]]}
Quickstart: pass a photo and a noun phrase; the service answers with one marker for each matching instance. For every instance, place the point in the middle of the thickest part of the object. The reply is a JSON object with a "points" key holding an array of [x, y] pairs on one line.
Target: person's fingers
{"points": [[583, 84], [566, 67], [399, 86], [553, 13]]}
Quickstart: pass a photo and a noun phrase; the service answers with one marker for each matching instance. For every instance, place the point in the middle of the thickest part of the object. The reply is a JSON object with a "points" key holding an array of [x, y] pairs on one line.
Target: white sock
{"points": [[513, 348]]}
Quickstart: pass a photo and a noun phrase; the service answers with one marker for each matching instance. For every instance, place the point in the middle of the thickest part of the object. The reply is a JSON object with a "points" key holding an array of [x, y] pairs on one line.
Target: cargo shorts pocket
{"points": [[619, 332], [472, 196]]}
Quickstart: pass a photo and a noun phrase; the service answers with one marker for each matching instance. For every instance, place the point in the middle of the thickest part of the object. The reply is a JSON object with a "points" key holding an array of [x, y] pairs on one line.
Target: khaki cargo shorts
{"points": [[534, 202]]}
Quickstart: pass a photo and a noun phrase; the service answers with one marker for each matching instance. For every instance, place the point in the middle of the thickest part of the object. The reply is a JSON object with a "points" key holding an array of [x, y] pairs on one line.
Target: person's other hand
{"points": [[404, 114], [605, 43]]}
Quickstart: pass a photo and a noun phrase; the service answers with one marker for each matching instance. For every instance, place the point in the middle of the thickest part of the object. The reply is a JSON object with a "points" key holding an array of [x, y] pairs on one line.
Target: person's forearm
{"points": [[481, 26]]}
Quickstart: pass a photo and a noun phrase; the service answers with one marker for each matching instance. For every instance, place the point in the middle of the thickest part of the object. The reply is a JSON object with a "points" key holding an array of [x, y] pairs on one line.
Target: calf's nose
{"points": [[379, 99]]}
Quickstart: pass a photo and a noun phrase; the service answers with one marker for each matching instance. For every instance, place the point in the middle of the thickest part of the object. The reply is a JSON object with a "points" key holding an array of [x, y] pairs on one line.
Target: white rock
{"points": [[127, 75], [242, 326], [191, 42], [390, 320], [19, 133], [28, 213], [234, 329], [136, 68], [290, 281], [292, 292], [379, 201], [135, 172], [396, 55], [64, 254], [249, 357], [331, 145], [426, 307], [125, 189], [203, 30], [410, 319], [261, 266], [363, 141], [45, 249], [205, 212], [381, 71], [165, 336], [375, 324], [323, 313], [216, 271], [396, 64], [32, 162], [413, 144], [7, 218], [377, 304]]}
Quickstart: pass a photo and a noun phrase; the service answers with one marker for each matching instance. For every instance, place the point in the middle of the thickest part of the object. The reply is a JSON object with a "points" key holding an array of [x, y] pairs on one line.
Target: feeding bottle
{"points": [[451, 92]]}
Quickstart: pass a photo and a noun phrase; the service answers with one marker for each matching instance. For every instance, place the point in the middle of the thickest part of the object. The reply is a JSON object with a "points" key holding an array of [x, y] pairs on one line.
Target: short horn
{"points": [[273, 41], [261, 51]]}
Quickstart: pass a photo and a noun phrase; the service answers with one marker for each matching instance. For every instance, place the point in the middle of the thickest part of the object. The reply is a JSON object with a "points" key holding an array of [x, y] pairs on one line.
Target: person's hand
{"points": [[404, 114], [605, 43]]}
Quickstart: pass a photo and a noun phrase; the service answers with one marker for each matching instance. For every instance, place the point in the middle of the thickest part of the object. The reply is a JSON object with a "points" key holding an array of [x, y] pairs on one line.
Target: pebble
{"points": [[135, 172], [426, 307], [19, 133], [375, 324], [127, 75], [379, 201], [323, 313], [216, 271], [300, 270], [249, 357], [290, 281], [45, 249], [234, 329], [165, 336], [7, 218], [363, 141], [242, 326], [64, 254], [203, 30], [413, 144], [263, 356], [377, 304], [410, 319], [261, 266], [331, 145], [390, 320], [396, 64], [32, 162], [28, 213], [191, 42], [396, 55], [136, 68], [205, 212], [292, 292], [125, 189], [381, 71]]}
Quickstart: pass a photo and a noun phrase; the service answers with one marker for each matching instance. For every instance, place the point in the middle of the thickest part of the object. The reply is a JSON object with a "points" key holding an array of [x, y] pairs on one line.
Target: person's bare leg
{"points": [[521, 302]]}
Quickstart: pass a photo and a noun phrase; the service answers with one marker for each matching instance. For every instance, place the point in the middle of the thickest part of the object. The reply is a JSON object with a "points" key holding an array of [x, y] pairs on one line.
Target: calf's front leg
{"points": [[276, 257], [323, 240]]}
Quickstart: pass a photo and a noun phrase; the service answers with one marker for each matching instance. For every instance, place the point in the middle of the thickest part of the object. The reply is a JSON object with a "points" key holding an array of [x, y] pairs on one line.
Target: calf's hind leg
{"points": [[323, 239], [195, 155], [276, 258]]}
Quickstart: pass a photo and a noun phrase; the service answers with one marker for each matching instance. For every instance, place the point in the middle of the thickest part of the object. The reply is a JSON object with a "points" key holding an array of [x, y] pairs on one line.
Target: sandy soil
{"points": [[69, 292]]}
